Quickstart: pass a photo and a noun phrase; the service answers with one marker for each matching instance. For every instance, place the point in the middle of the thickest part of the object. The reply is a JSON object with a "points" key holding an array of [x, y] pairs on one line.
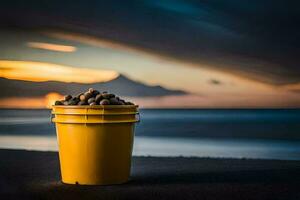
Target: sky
{"points": [[225, 53]]}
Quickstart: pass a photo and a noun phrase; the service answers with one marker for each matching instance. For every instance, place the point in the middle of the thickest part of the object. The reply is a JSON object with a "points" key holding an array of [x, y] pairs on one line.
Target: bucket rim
{"points": [[94, 106]]}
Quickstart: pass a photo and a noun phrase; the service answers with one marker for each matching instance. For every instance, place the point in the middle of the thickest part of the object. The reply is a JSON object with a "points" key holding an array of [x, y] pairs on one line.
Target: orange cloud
{"points": [[30, 102], [219, 101], [50, 99], [40, 71], [92, 41], [292, 87], [23, 102], [51, 47], [185, 101]]}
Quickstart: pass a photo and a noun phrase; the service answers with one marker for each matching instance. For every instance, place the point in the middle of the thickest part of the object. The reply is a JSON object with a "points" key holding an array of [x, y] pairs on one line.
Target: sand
{"points": [[35, 175]]}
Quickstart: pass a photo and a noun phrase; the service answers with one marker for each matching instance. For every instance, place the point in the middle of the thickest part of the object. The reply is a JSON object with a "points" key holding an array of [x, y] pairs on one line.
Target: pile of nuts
{"points": [[93, 97]]}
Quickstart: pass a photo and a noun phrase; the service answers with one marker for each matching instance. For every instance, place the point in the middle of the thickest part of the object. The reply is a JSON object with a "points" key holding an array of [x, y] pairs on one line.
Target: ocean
{"points": [[232, 133]]}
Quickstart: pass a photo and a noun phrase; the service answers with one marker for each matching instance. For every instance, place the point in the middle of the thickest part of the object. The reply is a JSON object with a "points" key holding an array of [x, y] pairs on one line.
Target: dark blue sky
{"points": [[256, 38]]}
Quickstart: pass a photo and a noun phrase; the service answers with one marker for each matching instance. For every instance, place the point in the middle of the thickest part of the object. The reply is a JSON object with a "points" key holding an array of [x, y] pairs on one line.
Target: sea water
{"points": [[237, 133]]}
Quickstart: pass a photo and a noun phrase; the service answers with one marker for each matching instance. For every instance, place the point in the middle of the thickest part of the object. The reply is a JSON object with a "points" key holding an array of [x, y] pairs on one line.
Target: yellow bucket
{"points": [[95, 143]]}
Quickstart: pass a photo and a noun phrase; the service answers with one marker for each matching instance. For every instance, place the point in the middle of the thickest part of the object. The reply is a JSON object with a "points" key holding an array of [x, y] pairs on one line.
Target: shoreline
{"points": [[35, 175], [169, 156], [169, 147]]}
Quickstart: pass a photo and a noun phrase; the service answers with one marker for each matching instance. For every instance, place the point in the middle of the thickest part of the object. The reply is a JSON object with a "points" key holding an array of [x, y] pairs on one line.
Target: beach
{"points": [[36, 175]]}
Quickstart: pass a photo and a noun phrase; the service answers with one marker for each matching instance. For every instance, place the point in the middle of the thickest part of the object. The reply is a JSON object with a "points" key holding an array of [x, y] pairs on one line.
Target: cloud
{"points": [[256, 39], [292, 87], [91, 41], [217, 101], [40, 71], [51, 47]]}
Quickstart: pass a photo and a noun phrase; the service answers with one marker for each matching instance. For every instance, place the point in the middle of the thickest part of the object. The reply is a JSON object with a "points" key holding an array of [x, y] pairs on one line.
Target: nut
{"points": [[107, 96], [91, 90], [68, 97], [95, 93], [82, 103], [104, 102], [93, 97], [65, 102], [114, 101], [58, 103], [98, 98], [91, 100], [88, 95]]}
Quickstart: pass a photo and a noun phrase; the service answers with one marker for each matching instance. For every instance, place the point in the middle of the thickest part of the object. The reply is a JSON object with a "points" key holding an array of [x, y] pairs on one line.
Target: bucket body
{"points": [[95, 143]]}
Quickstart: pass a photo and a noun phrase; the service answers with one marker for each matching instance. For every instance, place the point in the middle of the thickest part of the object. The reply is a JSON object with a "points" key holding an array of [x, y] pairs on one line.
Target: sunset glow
{"points": [[40, 71], [143, 66], [27, 102], [185, 101], [51, 47], [50, 99], [30, 102], [207, 86], [92, 41]]}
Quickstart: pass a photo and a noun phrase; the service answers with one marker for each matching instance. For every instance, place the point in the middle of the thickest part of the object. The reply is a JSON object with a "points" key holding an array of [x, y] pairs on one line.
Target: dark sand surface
{"points": [[35, 175]]}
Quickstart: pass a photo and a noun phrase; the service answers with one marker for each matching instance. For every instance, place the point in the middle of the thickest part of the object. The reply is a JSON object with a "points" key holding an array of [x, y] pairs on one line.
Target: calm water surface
{"points": [[268, 134]]}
